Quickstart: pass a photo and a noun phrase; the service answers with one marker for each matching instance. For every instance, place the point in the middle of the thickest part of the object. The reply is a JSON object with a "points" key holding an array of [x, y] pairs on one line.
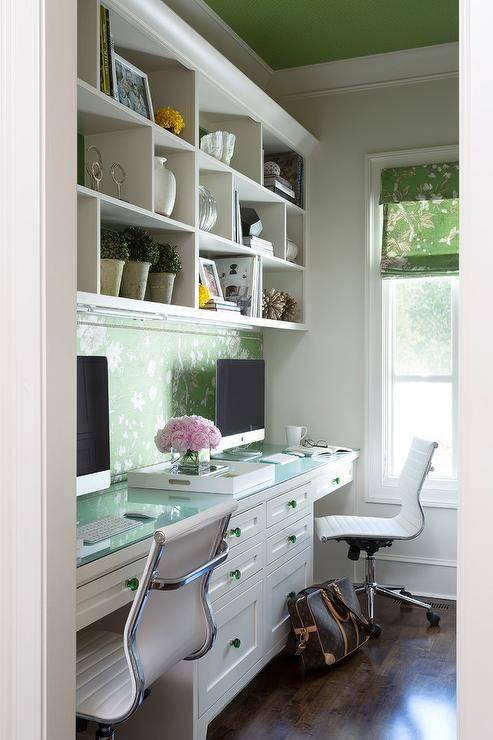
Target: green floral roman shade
{"points": [[421, 220]]}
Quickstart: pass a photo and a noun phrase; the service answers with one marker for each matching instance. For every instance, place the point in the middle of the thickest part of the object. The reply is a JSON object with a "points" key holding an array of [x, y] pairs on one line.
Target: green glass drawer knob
{"points": [[132, 584], [236, 574], [336, 481], [236, 532], [292, 538], [235, 643], [292, 504]]}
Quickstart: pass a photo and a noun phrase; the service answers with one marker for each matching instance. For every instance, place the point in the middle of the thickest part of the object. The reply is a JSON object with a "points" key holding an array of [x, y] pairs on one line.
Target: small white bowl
{"points": [[213, 144], [229, 141]]}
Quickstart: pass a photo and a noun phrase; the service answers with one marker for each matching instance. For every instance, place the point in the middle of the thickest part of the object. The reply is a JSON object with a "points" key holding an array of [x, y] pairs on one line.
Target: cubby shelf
{"points": [[215, 246], [116, 212], [249, 191], [122, 136], [128, 307], [99, 113]]}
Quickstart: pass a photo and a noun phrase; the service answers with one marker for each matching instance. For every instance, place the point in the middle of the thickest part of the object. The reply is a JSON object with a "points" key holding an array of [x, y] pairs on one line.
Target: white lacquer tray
{"points": [[238, 477]]}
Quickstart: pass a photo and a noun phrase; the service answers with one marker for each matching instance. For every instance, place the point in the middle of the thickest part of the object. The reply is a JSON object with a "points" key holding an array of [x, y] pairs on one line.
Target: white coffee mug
{"points": [[295, 435]]}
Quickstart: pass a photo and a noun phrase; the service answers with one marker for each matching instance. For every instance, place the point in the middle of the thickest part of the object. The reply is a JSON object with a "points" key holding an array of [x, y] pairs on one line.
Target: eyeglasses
{"points": [[312, 443]]}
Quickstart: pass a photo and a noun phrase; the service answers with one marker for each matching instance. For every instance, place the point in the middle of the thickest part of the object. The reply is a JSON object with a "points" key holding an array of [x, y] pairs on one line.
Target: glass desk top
{"points": [[171, 506]]}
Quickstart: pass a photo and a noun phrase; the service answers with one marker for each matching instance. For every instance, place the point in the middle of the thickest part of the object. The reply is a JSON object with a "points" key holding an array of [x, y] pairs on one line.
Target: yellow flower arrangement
{"points": [[204, 295], [170, 119]]}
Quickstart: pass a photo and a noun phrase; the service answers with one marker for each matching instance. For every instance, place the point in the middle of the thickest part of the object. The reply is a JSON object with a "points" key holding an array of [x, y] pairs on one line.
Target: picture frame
{"points": [[131, 87], [210, 278], [240, 282]]}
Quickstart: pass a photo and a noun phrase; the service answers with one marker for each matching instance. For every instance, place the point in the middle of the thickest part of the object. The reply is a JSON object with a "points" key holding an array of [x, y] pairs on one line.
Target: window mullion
{"points": [[396, 378]]}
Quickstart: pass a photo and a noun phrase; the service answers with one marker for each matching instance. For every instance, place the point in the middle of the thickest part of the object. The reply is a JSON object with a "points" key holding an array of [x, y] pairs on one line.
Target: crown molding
{"points": [[206, 21], [362, 73]]}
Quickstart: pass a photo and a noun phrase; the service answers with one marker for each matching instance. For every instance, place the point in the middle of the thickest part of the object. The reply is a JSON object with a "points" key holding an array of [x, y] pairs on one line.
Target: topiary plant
{"points": [[114, 245], [141, 245], [169, 260]]}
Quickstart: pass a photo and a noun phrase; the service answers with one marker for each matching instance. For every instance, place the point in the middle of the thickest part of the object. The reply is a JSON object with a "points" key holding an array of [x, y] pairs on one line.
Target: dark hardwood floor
{"points": [[400, 687]]}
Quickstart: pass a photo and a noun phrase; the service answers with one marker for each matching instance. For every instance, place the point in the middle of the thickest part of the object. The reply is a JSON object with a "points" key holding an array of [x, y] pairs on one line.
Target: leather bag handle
{"points": [[330, 594]]}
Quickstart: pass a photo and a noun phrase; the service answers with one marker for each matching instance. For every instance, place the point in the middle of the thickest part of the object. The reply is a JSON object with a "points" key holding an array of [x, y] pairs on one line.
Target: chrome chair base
{"points": [[372, 588]]}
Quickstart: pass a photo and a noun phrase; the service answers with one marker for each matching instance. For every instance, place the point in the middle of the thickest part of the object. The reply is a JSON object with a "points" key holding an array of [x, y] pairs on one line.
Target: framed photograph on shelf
{"points": [[240, 282], [210, 278], [131, 88]]}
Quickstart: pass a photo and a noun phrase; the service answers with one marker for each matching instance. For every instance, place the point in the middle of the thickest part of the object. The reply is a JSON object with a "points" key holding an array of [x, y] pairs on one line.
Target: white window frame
{"points": [[380, 488]]}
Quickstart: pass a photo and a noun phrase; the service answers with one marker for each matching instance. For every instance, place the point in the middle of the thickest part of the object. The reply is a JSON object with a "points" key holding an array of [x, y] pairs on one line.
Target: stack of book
{"points": [[106, 53], [291, 178], [263, 246], [279, 185], [218, 305]]}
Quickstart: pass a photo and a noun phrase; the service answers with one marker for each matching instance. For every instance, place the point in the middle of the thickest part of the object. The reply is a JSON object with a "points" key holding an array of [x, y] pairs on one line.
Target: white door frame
{"points": [[37, 368], [475, 516]]}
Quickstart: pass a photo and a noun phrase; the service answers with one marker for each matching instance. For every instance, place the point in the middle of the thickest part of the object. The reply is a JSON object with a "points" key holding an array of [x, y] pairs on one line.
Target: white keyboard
{"points": [[104, 528]]}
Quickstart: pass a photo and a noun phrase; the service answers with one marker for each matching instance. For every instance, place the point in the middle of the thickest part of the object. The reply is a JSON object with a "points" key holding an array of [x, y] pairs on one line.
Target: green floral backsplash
{"points": [[156, 372]]}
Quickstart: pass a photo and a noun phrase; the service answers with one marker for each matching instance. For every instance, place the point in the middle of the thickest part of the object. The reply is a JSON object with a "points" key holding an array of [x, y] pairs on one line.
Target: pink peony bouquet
{"points": [[187, 433]]}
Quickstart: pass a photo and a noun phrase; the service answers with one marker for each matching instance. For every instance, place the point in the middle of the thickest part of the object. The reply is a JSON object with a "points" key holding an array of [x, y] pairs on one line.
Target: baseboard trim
{"points": [[425, 595], [416, 560], [413, 561]]}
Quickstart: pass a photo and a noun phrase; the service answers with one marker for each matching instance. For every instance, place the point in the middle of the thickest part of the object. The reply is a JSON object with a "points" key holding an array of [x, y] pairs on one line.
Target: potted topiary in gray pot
{"points": [[163, 273], [143, 252], [114, 253]]}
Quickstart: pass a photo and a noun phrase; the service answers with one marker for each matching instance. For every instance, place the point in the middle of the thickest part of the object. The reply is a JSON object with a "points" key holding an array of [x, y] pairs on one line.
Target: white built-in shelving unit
{"points": [[186, 73]]}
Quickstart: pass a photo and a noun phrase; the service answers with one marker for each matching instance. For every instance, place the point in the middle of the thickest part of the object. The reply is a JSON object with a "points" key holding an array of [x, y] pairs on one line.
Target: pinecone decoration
{"points": [[273, 302], [290, 308]]}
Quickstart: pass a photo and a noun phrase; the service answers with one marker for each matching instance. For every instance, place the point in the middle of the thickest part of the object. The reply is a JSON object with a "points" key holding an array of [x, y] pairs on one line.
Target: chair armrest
{"points": [[171, 584]]}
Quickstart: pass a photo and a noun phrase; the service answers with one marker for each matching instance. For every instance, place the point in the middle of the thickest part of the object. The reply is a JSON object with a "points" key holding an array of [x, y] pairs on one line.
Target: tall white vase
{"points": [[164, 187]]}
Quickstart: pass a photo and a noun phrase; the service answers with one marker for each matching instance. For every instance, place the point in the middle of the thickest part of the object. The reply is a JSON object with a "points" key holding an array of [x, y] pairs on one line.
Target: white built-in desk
{"points": [[270, 537]]}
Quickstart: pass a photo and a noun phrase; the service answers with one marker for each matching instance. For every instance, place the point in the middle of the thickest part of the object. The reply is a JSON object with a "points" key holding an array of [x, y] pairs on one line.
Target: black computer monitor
{"points": [[240, 401], [93, 427]]}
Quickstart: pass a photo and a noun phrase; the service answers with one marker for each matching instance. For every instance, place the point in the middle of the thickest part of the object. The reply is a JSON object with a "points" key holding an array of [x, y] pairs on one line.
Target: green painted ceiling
{"points": [[292, 33]]}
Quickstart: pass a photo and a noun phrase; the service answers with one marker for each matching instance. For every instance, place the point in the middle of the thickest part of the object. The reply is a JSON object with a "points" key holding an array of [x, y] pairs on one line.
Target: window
{"points": [[420, 370], [413, 296]]}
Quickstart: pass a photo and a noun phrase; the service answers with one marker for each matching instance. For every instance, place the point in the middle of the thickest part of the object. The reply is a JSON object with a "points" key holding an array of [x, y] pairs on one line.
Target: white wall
{"points": [[476, 393], [319, 379], [37, 368]]}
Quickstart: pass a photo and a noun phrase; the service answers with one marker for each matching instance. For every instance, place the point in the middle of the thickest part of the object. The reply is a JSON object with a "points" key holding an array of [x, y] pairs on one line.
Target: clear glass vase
{"points": [[191, 462]]}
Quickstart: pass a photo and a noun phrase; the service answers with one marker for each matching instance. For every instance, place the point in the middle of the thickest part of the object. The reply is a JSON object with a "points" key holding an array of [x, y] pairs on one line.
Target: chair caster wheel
{"points": [[433, 618], [375, 631]]}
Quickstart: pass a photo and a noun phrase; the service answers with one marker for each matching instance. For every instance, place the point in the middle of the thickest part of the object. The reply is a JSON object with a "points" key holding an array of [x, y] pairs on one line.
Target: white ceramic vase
{"points": [[291, 251], [164, 187]]}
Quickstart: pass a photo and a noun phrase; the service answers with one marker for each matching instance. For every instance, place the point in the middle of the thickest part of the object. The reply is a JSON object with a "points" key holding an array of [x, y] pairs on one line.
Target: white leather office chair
{"points": [[170, 620], [370, 533]]}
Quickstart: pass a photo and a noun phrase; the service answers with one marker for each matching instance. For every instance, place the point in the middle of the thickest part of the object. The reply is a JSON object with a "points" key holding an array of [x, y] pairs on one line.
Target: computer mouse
{"points": [[140, 515]]}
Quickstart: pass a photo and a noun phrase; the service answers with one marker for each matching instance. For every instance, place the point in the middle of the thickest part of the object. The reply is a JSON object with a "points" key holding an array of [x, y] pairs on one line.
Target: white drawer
{"points": [[290, 578], [284, 506], [106, 594], [327, 483], [235, 571], [289, 540], [237, 648], [246, 525]]}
